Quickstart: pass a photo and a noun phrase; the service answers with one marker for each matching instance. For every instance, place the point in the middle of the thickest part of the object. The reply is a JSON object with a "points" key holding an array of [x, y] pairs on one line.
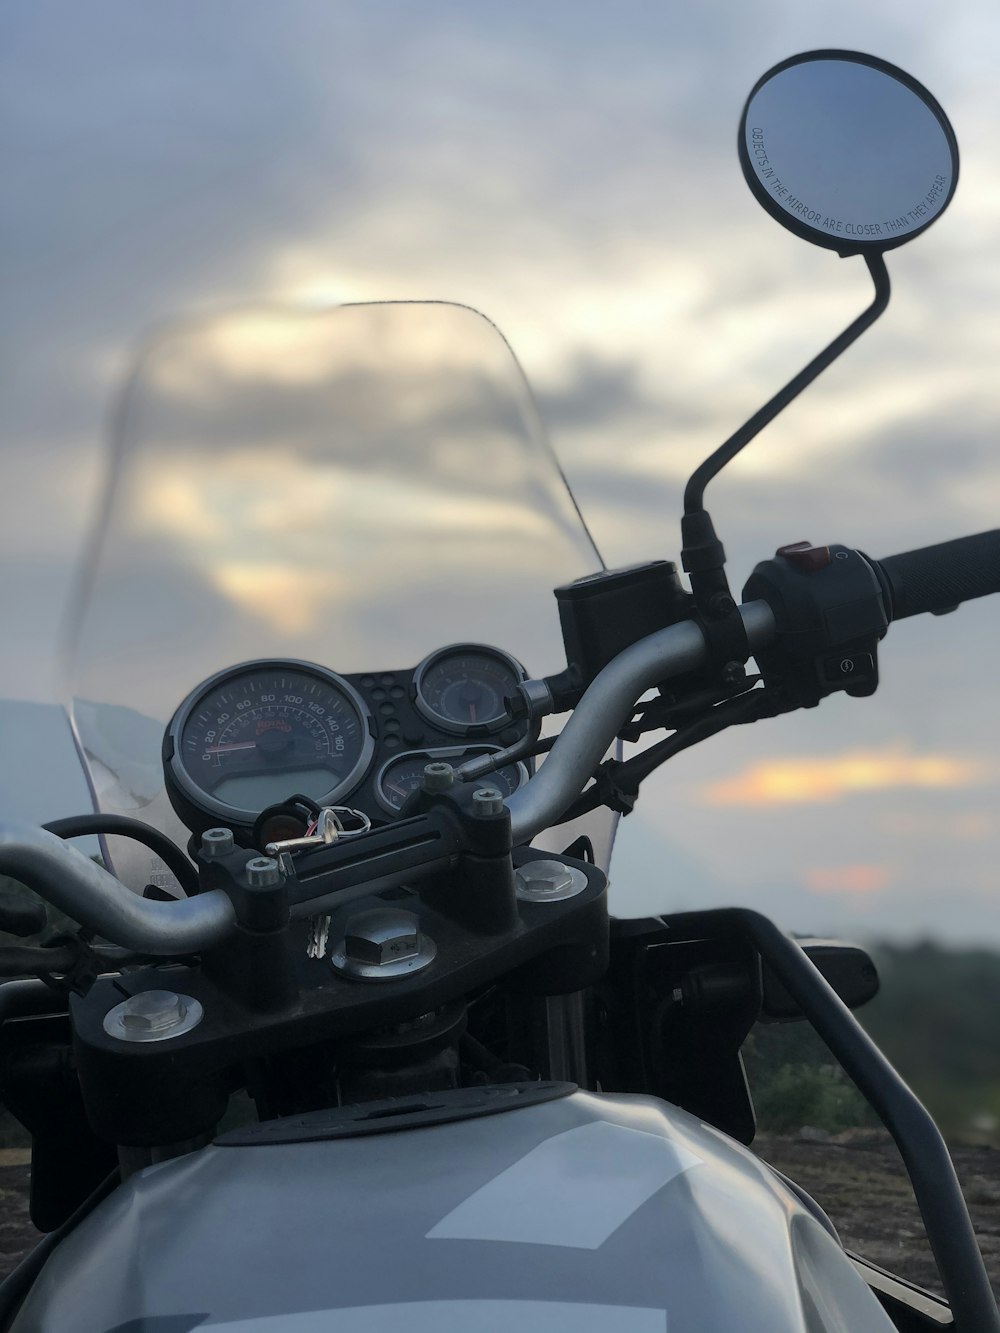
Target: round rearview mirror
{"points": [[847, 151]]}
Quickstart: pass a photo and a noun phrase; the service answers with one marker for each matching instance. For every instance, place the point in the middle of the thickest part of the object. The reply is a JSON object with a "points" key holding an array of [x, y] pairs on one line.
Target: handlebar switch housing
{"points": [[829, 616]]}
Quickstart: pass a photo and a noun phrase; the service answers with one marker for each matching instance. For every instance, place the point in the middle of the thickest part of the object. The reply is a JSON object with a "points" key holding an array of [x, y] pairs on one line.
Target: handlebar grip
{"points": [[938, 578]]}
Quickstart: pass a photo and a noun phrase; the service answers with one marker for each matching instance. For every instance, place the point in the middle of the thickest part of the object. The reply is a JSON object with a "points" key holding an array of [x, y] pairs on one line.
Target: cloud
{"points": [[824, 779], [977, 824]]}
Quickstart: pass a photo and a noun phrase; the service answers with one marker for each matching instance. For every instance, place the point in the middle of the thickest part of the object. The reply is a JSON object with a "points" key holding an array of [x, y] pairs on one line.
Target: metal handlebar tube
{"points": [[604, 710], [86, 892]]}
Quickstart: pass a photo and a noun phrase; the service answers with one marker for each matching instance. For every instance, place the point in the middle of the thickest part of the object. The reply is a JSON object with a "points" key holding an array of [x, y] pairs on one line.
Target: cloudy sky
{"points": [[570, 169]]}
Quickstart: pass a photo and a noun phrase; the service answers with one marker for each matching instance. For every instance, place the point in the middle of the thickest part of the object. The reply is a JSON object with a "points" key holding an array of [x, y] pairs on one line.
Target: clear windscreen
{"points": [[355, 488]]}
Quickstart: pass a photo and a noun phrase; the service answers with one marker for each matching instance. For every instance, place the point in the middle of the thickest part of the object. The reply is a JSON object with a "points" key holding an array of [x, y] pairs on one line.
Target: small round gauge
{"points": [[255, 734], [463, 688], [401, 776]]}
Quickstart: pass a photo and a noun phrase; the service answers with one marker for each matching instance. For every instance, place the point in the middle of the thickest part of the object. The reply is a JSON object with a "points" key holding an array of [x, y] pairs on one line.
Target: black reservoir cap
{"points": [[604, 613]]}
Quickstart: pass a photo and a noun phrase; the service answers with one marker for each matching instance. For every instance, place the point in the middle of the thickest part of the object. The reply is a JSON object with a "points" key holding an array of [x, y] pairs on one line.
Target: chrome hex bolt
{"points": [[438, 777], [263, 872], [548, 881], [217, 842], [383, 943], [487, 801], [153, 1015]]}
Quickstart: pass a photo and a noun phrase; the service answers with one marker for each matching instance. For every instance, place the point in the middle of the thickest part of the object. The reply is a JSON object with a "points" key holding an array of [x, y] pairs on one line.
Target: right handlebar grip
{"points": [[938, 578]]}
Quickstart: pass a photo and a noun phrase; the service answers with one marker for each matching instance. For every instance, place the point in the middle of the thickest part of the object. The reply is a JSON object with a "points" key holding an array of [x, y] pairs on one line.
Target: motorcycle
{"points": [[339, 1031]]}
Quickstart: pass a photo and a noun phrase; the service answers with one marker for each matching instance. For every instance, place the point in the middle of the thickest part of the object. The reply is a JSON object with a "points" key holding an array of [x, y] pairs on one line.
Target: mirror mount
{"points": [[702, 554]]}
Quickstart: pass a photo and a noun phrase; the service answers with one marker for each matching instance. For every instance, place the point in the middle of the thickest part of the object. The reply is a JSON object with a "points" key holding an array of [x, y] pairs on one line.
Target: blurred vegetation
{"points": [[794, 1094], [935, 1017]]}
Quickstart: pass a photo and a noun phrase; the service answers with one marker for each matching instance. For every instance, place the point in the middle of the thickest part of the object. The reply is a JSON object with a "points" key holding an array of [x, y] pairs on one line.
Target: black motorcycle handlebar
{"points": [[938, 578]]}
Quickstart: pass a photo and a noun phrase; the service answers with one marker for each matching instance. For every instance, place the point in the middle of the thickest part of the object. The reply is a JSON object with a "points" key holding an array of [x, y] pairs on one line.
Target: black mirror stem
{"points": [[694, 492]]}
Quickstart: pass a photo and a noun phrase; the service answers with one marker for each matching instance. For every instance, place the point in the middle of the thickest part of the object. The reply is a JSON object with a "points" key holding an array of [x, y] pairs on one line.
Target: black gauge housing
{"points": [[259, 733], [400, 776], [462, 689], [255, 736]]}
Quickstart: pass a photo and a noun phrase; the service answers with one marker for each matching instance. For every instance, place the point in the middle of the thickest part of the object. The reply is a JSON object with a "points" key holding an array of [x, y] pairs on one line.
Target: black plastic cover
{"points": [[605, 613], [846, 967], [396, 1113]]}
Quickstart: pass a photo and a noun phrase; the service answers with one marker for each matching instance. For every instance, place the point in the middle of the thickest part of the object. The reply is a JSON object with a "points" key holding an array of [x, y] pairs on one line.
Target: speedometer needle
{"points": [[233, 745]]}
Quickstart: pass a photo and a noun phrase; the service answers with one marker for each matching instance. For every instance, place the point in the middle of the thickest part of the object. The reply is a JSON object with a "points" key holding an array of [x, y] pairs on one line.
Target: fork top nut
{"points": [[382, 943]]}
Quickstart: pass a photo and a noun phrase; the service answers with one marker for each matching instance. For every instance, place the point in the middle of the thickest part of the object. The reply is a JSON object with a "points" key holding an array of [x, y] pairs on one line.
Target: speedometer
{"points": [[256, 734]]}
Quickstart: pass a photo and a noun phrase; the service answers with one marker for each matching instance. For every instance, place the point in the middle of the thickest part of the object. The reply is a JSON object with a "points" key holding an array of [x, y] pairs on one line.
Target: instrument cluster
{"points": [[255, 735]]}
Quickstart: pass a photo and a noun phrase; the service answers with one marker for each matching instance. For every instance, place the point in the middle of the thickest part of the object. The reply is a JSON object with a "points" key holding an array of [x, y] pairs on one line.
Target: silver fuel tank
{"points": [[579, 1214]]}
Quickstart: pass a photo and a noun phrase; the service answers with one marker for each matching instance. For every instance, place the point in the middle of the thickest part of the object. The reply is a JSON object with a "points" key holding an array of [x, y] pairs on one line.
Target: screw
{"points": [[487, 801], [381, 944], [548, 881], [382, 936], [733, 673], [721, 604], [217, 842], [438, 777], [153, 1011], [153, 1015], [263, 872]]}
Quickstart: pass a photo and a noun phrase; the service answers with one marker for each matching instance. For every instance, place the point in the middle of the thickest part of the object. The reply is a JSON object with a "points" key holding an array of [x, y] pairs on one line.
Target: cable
{"points": [[616, 783], [483, 764], [78, 826]]}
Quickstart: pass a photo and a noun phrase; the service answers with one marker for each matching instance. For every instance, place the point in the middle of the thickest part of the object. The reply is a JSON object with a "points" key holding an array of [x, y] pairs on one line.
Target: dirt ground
{"points": [[17, 1235], [857, 1177]]}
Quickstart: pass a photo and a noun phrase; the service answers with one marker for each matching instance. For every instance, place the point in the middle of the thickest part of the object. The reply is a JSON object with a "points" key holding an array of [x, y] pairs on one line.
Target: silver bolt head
{"points": [[153, 1011], [382, 936], [383, 943], [217, 842], [153, 1015], [487, 801], [263, 872], [438, 777], [548, 881]]}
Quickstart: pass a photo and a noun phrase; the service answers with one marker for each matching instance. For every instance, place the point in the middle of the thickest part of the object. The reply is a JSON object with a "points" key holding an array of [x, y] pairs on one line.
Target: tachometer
{"points": [[255, 734], [463, 688]]}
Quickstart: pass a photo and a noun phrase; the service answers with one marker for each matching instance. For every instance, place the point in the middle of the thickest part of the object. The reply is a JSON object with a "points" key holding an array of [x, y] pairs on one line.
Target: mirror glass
{"points": [[847, 151]]}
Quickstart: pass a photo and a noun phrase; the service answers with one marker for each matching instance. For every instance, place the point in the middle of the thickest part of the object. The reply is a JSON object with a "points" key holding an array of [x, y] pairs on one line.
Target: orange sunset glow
{"points": [[820, 780], [855, 880]]}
